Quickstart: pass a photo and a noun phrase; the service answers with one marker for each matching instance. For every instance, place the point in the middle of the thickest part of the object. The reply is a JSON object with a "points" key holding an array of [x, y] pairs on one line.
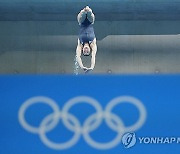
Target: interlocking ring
{"points": [[35, 100], [73, 124]]}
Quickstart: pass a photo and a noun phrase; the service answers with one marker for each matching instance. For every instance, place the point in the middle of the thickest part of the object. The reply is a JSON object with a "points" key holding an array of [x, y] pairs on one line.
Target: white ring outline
{"points": [[131, 100], [98, 116], [35, 100], [110, 144], [64, 145], [86, 100]]}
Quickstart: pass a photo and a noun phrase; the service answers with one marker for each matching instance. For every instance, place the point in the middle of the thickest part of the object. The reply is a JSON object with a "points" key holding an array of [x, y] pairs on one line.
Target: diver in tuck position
{"points": [[87, 40]]}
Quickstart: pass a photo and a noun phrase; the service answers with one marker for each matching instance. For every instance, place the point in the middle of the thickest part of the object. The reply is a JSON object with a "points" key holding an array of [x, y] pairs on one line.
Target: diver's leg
{"points": [[81, 17], [90, 16]]}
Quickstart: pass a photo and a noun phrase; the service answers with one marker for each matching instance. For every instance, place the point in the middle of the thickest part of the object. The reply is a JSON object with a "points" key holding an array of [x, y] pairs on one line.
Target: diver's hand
{"points": [[85, 68], [88, 70]]}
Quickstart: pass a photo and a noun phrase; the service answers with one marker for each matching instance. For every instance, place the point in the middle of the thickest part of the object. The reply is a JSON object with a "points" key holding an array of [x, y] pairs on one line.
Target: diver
{"points": [[86, 40]]}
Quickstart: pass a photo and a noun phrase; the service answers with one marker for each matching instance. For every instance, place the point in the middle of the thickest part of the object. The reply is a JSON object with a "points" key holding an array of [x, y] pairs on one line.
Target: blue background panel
{"points": [[159, 95]]}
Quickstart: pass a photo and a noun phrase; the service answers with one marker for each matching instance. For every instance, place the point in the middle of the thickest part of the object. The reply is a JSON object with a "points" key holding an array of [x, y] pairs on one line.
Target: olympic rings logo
{"points": [[73, 124]]}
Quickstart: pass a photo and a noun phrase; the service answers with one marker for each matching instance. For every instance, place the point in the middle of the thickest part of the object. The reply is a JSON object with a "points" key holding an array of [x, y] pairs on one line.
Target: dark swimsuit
{"points": [[86, 33]]}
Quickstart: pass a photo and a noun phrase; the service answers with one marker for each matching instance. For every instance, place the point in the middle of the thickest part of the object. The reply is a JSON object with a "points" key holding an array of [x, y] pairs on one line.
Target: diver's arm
{"points": [[78, 55], [94, 50]]}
